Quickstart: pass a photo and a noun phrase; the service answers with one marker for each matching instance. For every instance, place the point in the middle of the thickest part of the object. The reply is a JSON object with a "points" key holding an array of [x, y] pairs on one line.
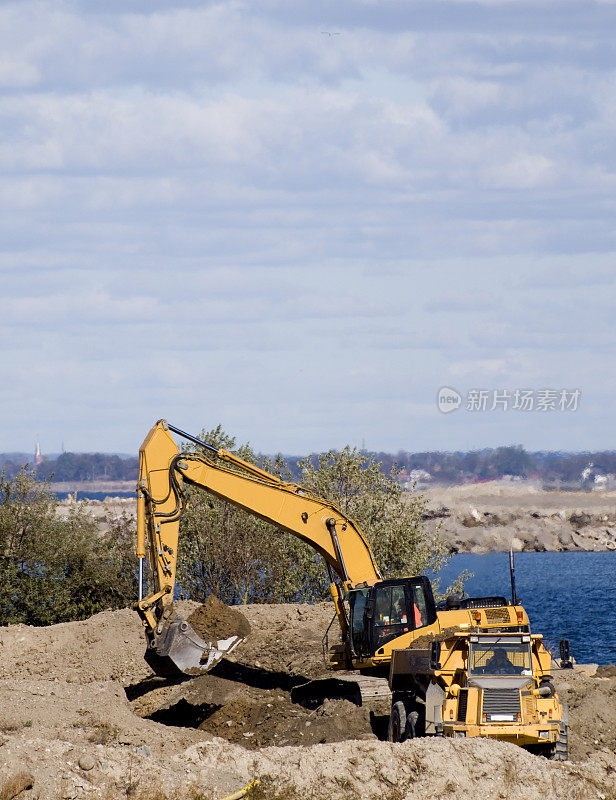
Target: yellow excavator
{"points": [[376, 616]]}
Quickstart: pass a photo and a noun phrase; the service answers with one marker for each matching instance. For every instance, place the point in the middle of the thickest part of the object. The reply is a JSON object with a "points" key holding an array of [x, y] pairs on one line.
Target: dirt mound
{"points": [[241, 710], [214, 620], [287, 638], [418, 769], [260, 720], [607, 671], [108, 646], [592, 712], [83, 718]]}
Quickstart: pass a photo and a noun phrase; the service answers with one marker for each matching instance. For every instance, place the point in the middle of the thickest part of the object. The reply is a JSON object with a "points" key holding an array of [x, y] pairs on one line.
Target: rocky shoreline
{"points": [[486, 517], [483, 518]]}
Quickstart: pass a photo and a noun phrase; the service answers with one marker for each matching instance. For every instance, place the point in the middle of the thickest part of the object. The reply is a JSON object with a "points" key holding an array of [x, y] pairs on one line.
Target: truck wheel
{"points": [[396, 731], [403, 721], [560, 750], [417, 718]]}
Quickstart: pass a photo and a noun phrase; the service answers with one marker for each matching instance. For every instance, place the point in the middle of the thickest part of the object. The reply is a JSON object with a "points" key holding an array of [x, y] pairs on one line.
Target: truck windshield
{"points": [[499, 656]]}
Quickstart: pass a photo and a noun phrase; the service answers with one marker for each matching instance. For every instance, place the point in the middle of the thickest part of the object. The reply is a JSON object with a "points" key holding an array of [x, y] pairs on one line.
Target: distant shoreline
{"points": [[473, 518], [93, 486]]}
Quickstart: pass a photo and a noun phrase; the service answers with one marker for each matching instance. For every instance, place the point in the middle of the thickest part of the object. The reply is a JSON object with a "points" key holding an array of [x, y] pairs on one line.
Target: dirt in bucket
{"points": [[214, 621]]}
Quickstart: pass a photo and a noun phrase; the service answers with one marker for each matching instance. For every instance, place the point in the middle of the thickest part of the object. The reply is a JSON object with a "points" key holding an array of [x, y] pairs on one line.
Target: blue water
{"points": [[566, 595], [94, 495]]}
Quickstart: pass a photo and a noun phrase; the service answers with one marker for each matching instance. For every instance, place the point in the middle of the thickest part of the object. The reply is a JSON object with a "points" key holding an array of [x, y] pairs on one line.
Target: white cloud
{"points": [[217, 195], [523, 171], [89, 306]]}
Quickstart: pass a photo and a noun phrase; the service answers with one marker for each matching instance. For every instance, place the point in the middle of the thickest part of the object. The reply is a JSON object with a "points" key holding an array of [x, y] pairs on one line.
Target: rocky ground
{"points": [[483, 517], [82, 717]]}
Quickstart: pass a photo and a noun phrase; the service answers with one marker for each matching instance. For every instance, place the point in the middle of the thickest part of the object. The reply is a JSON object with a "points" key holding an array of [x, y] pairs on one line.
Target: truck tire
{"points": [[402, 721], [560, 750]]}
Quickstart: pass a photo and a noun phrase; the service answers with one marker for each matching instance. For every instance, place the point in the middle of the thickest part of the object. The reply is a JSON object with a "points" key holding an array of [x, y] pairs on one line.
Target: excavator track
{"points": [[371, 688], [359, 689]]}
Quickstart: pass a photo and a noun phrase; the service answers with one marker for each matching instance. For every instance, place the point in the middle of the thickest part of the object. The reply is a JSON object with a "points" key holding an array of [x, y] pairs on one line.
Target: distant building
{"points": [[596, 478], [415, 476], [420, 475], [38, 458]]}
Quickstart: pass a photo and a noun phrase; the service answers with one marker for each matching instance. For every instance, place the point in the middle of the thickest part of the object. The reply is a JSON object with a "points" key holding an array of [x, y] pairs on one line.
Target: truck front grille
{"points": [[462, 705], [501, 704]]}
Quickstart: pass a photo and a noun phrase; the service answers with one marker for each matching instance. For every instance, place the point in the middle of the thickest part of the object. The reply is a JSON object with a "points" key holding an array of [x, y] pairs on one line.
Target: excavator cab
{"points": [[387, 610]]}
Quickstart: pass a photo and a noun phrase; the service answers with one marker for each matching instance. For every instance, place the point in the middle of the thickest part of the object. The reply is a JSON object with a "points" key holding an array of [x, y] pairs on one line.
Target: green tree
{"points": [[390, 518], [56, 568]]}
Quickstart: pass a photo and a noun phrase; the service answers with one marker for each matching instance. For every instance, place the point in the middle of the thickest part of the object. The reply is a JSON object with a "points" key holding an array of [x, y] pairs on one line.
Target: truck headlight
{"points": [[462, 734], [544, 734]]}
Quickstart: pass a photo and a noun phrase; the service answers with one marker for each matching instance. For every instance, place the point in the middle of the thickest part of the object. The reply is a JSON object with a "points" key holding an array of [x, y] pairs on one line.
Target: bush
{"points": [[55, 569]]}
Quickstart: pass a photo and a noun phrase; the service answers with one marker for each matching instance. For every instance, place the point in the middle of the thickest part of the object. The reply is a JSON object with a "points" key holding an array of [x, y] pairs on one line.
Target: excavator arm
{"points": [[172, 644]]}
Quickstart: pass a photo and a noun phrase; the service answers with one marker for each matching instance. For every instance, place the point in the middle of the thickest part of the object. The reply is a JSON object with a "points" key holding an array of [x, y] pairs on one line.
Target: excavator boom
{"points": [[173, 645]]}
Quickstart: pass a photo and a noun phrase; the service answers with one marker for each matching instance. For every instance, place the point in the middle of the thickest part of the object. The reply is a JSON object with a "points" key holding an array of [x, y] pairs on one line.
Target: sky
{"points": [[302, 219]]}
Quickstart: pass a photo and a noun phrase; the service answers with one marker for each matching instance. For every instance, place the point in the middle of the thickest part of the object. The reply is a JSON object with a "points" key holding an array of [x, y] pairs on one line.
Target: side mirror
{"points": [[565, 655], [435, 655]]}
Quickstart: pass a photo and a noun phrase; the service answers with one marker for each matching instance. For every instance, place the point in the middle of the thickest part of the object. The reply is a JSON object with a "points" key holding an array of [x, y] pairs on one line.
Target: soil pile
{"points": [[82, 718], [214, 620], [288, 638], [255, 711], [108, 646], [592, 711]]}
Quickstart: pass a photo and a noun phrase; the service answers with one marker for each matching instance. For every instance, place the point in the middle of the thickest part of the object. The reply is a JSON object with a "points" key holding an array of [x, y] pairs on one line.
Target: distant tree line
{"points": [[493, 463], [444, 467], [76, 467]]}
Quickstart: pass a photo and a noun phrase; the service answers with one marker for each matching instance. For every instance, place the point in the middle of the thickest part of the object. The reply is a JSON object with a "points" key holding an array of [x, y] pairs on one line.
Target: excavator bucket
{"points": [[178, 650], [192, 646]]}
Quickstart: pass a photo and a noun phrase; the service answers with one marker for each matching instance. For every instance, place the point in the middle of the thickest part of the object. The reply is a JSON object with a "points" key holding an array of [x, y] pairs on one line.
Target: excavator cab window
{"points": [[400, 606], [420, 607], [391, 614]]}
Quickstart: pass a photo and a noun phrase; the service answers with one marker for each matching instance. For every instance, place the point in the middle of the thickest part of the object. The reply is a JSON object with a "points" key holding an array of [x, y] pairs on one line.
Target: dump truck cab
{"points": [[480, 681], [505, 691]]}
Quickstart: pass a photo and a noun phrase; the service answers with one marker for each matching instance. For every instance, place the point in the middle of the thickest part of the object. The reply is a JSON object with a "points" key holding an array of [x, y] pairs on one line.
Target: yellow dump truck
{"points": [[480, 681]]}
